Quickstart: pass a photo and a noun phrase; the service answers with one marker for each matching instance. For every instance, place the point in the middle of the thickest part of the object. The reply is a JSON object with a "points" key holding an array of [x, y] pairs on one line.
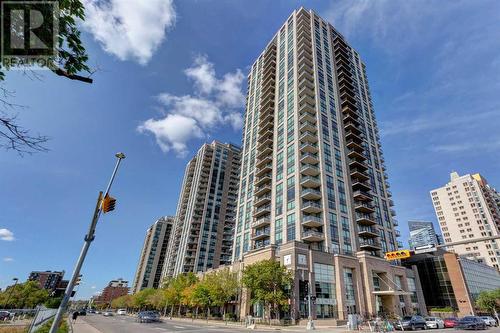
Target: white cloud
{"points": [[6, 235], [8, 259], [93, 287], [203, 74], [215, 103], [129, 29]]}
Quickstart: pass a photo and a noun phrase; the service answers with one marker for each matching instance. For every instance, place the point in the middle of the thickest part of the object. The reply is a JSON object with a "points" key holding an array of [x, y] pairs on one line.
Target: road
{"points": [[125, 324]]}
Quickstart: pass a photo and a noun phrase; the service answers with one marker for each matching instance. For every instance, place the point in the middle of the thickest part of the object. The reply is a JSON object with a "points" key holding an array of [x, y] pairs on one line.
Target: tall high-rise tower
{"points": [[202, 232], [313, 175], [152, 259], [422, 233], [467, 208]]}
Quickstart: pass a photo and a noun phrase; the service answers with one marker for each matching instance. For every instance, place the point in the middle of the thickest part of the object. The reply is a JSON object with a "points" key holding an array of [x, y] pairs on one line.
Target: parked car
{"points": [[82, 312], [148, 317], [107, 314], [434, 322], [490, 321], [450, 322], [410, 323], [471, 323], [121, 312], [4, 315]]}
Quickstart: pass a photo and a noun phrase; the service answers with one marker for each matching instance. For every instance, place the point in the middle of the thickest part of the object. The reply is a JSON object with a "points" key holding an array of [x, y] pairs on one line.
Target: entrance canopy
{"points": [[390, 292]]}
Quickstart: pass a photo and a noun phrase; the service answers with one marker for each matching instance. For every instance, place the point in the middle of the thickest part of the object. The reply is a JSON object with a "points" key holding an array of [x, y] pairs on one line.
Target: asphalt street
{"points": [[124, 324]]}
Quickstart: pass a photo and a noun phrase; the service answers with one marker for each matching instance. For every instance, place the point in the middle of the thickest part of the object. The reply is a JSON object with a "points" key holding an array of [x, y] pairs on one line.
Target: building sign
{"points": [[287, 260], [326, 301], [395, 255], [302, 259], [425, 249]]}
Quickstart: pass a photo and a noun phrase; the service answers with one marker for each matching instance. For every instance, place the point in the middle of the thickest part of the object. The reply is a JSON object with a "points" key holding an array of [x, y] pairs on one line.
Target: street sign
{"points": [[395, 255], [425, 249]]}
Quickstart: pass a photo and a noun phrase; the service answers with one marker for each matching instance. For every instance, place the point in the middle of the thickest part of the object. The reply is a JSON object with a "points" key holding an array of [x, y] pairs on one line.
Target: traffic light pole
{"points": [[89, 237]]}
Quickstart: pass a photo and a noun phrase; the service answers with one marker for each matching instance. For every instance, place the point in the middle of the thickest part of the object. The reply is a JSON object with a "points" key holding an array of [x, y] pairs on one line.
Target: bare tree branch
{"points": [[14, 137]]}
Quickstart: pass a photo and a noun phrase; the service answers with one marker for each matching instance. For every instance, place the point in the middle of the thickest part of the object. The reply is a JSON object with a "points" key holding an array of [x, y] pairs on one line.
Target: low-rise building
{"points": [[114, 289], [449, 280]]}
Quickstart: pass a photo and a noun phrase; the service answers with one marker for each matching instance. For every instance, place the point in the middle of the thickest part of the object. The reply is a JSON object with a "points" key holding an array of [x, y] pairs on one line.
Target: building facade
{"points": [[202, 233], [422, 233], [48, 280], [449, 280], [313, 183], [114, 289], [467, 208], [152, 258]]}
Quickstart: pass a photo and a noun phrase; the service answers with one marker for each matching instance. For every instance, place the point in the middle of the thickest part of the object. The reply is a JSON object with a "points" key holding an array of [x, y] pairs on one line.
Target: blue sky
{"points": [[434, 72]]}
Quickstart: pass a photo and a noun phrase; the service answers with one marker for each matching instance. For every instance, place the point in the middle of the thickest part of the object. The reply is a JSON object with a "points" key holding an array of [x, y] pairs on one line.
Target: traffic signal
{"points": [[108, 203], [78, 280], [395, 255]]}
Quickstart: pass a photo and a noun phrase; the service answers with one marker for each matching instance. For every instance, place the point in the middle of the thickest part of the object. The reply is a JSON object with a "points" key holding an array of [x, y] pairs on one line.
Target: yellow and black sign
{"points": [[395, 255]]}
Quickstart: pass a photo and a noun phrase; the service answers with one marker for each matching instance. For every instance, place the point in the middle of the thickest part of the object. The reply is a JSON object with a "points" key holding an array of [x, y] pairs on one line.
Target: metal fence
{"points": [[42, 315]]}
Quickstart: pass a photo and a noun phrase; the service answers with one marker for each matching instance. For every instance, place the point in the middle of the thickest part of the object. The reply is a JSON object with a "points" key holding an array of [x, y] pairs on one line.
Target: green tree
{"points": [[140, 299], [489, 301], [223, 286], [201, 295], [70, 62], [268, 283], [174, 290], [24, 295]]}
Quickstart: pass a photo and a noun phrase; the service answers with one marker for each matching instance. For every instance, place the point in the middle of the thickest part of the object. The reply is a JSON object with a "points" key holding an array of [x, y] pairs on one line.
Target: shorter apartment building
{"points": [[114, 289], [52, 281], [152, 258], [468, 208], [449, 280]]}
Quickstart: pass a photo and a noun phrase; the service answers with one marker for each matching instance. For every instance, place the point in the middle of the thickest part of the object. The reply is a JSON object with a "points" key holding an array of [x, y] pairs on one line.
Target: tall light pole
{"points": [[89, 237], [11, 290]]}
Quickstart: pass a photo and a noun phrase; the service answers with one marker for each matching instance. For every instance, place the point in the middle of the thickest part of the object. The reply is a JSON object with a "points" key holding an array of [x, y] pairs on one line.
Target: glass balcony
{"points": [[309, 169], [310, 194], [261, 234], [262, 221], [312, 221], [311, 207], [309, 147], [263, 210], [309, 181], [365, 219], [370, 244], [362, 207], [313, 236], [368, 232], [309, 158]]}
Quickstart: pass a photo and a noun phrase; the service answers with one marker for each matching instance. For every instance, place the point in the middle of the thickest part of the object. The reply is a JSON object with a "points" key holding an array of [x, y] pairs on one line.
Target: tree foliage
{"points": [[269, 284], [24, 295], [489, 301]]}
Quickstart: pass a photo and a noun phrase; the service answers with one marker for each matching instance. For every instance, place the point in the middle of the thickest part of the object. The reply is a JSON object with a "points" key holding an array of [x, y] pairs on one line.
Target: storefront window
{"points": [[326, 302]]}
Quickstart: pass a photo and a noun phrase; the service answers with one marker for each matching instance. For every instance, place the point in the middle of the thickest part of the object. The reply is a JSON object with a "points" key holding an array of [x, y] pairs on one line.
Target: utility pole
{"points": [[11, 290], [89, 237]]}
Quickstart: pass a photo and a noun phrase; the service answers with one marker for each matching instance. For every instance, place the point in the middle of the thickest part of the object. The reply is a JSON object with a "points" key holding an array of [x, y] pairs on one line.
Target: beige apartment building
{"points": [[313, 190], [467, 208], [202, 235], [152, 258]]}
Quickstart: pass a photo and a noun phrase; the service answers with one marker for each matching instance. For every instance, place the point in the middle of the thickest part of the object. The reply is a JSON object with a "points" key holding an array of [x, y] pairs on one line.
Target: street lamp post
{"points": [[89, 237], [11, 290]]}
